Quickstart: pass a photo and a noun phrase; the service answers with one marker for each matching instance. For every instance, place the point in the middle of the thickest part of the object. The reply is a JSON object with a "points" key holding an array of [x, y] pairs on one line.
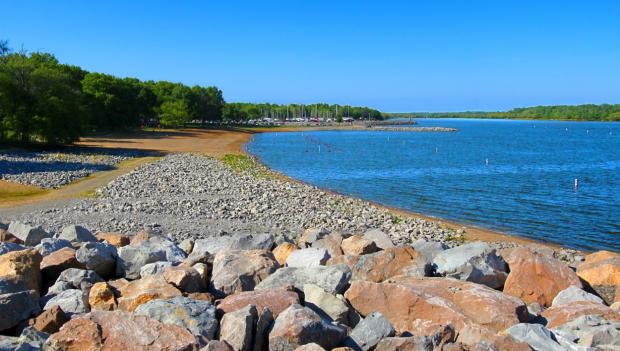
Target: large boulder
{"points": [[173, 252], [574, 294], [237, 270], [381, 239], [214, 245], [282, 251], [154, 268], [186, 279], [263, 326], [331, 243], [593, 331], [101, 297], [76, 234], [369, 331], [237, 328], [57, 262], [308, 257], [429, 249], [82, 279], [602, 272], [49, 245], [24, 264], [298, 325], [112, 238], [385, 264], [333, 279], [438, 340], [119, 330], [329, 306], [30, 235], [196, 316], [558, 315], [8, 247], [132, 258], [421, 305], [535, 335], [276, 300], [71, 301], [17, 306], [475, 262], [310, 236], [49, 321], [358, 245], [536, 277], [99, 257], [143, 290]]}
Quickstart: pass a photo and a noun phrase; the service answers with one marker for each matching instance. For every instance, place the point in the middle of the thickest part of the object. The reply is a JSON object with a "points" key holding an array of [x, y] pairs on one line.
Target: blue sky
{"points": [[392, 55]]}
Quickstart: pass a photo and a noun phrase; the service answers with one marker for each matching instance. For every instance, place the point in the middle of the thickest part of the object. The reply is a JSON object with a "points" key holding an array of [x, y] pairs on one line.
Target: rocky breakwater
{"points": [[413, 129], [80, 290]]}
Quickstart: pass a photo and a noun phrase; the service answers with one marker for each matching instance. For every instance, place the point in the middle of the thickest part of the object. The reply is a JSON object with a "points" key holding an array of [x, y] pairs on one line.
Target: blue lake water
{"points": [[526, 189]]}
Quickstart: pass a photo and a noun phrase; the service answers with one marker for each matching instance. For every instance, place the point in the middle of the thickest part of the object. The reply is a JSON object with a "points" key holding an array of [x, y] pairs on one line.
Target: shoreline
{"points": [[471, 232]]}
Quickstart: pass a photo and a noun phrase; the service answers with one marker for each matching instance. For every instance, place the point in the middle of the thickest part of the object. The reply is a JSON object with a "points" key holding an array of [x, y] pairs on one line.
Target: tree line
{"points": [[587, 112], [42, 100], [242, 111]]}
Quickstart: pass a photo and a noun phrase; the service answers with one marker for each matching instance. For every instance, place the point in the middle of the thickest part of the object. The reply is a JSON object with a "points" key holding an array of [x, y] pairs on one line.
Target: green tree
{"points": [[173, 113]]}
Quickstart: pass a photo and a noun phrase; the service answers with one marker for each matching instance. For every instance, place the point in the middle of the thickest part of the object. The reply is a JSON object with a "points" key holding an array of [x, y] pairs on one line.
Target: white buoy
{"points": [[436, 150], [319, 149], [576, 184], [486, 161]]}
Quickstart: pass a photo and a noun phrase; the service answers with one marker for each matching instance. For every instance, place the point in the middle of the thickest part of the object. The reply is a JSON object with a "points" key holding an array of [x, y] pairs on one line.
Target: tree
{"points": [[173, 113]]}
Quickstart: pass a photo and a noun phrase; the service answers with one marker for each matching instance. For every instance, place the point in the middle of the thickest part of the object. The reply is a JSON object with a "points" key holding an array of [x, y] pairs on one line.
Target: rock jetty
{"points": [[322, 290]]}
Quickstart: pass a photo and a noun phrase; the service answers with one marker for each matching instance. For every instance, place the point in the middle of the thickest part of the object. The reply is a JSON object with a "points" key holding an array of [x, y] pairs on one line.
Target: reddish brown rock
{"points": [[101, 297], [144, 290], [9, 238], [561, 314], [310, 236], [217, 345], [357, 245], [602, 271], [277, 300], [186, 279], [116, 239], [49, 321], [385, 264], [282, 251], [23, 264], [240, 270], [140, 237], [331, 243], [421, 305], [310, 347], [56, 262], [202, 296], [536, 277], [119, 330]]}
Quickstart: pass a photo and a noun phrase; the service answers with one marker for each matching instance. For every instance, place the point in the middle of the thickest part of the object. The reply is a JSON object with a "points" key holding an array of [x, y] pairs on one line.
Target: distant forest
{"points": [[45, 101], [589, 112]]}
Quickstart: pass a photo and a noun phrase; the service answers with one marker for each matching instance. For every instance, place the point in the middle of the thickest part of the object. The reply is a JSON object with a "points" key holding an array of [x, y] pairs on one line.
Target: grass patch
{"points": [[247, 165], [456, 238], [10, 190], [396, 219]]}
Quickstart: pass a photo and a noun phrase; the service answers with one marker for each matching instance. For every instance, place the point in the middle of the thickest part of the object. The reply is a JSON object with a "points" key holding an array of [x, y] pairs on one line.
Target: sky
{"points": [[397, 56]]}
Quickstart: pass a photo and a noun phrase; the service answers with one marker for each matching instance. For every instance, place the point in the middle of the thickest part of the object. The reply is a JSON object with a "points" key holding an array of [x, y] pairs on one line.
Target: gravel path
{"points": [[54, 169], [188, 195]]}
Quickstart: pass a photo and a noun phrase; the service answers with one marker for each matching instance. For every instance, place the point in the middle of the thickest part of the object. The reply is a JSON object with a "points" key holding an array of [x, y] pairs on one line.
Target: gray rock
{"points": [[574, 294], [131, 258], [31, 339], [77, 234], [9, 343], [56, 288], [475, 262], [237, 328], [298, 325], [311, 236], [237, 270], [369, 331], [154, 268], [214, 245], [593, 331], [82, 279], [8, 247], [569, 341], [381, 239], [30, 235], [333, 279], [49, 245], [196, 316], [537, 336], [99, 257], [12, 284], [438, 340], [72, 301], [18, 306], [329, 306], [173, 252], [308, 257], [187, 245], [429, 249]]}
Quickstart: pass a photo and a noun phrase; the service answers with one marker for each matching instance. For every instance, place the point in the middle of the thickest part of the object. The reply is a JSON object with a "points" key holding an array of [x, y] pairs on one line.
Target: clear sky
{"points": [[412, 55]]}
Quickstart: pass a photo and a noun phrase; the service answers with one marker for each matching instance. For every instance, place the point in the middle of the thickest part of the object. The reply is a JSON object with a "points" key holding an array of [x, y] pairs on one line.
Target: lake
{"points": [[517, 177]]}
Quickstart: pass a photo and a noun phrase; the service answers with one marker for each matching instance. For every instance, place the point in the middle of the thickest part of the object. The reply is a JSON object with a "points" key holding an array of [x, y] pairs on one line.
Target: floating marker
{"points": [[486, 161], [319, 149], [436, 150], [576, 184]]}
